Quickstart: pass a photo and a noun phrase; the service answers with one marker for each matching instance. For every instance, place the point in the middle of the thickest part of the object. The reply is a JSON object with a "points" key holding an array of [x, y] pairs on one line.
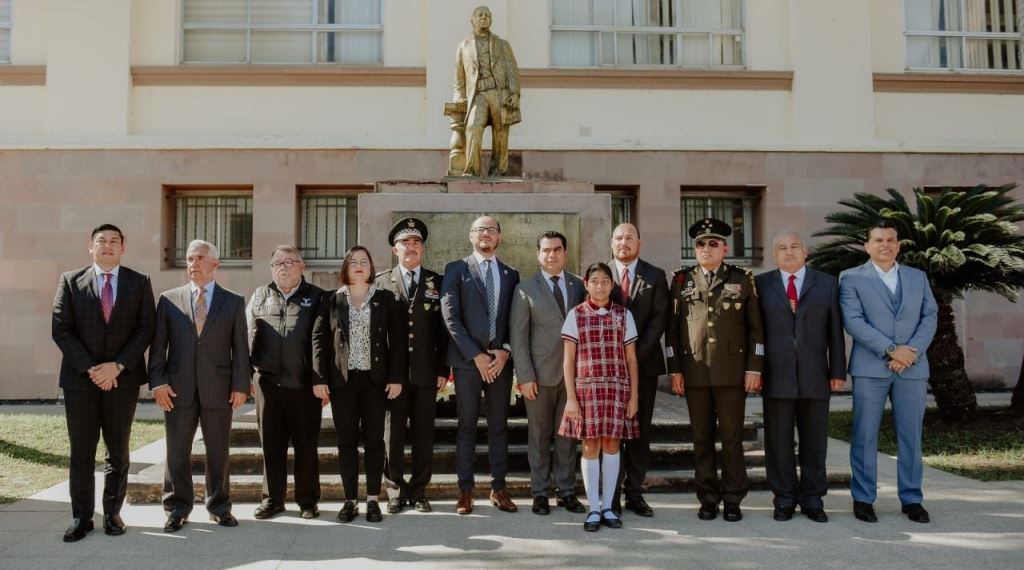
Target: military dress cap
{"points": [[710, 227], [407, 227]]}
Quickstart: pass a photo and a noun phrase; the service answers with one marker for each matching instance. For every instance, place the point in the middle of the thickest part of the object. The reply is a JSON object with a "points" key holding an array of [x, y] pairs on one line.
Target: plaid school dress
{"points": [[602, 377]]}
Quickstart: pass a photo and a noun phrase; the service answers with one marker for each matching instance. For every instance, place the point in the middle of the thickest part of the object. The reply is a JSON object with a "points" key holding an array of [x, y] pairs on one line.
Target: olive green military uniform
{"points": [[714, 337]]}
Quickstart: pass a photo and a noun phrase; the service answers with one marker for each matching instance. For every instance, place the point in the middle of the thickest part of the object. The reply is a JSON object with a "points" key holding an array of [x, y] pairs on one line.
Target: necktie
{"points": [[200, 311], [711, 277], [107, 297], [412, 284], [489, 286], [558, 295], [625, 285], [791, 293]]}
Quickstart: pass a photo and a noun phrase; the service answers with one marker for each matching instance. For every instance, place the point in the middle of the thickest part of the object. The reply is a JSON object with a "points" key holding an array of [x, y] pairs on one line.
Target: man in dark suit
{"points": [[641, 288], [103, 321], [715, 348], [418, 291], [538, 312], [805, 360], [199, 372], [476, 296]]}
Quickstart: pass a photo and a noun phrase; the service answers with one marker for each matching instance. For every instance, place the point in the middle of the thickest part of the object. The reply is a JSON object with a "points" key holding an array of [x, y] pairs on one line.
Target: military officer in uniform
{"points": [[715, 351], [418, 291]]}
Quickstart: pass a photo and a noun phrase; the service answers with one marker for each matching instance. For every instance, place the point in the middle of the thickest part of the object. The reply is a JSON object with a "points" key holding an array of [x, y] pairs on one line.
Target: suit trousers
{"points": [[181, 423], [552, 457], [90, 415], [468, 385], [358, 408], [636, 453], [908, 397], [811, 420], [723, 405], [484, 109], [284, 415], [415, 406]]}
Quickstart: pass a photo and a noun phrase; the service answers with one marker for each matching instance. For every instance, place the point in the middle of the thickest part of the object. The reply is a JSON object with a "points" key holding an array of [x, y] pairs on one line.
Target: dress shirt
{"points": [[890, 278], [800, 274], [100, 279], [496, 278]]}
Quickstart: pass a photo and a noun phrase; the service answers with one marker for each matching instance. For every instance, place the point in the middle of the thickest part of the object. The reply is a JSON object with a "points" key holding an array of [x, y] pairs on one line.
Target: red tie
{"points": [[107, 297], [625, 285], [791, 293]]}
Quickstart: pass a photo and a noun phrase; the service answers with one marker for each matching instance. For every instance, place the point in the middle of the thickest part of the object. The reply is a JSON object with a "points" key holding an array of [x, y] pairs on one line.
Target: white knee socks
{"points": [[610, 477], [591, 469]]}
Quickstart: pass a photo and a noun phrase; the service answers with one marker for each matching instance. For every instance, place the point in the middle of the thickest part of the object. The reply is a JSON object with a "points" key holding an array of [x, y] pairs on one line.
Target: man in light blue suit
{"points": [[889, 311]]}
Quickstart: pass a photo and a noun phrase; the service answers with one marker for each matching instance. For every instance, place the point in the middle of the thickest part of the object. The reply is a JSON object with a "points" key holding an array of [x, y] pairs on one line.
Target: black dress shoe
{"points": [[226, 519], [422, 505], [373, 513], [266, 511], [610, 519], [916, 513], [731, 512], [395, 505], [707, 512], [348, 512], [175, 522], [592, 522], [78, 529], [783, 513], [816, 515], [113, 525], [541, 506], [571, 504], [864, 512], [639, 506], [309, 512]]}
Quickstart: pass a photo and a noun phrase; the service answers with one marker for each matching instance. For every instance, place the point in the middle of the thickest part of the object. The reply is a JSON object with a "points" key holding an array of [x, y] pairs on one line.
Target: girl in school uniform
{"points": [[601, 383]]}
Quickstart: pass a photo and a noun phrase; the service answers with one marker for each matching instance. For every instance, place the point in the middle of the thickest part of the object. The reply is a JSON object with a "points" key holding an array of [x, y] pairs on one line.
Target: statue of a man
{"points": [[487, 83]]}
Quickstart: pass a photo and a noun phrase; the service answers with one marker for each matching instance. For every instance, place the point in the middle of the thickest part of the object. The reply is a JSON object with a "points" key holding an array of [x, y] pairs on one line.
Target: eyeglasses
{"points": [[485, 230], [286, 263], [710, 244], [359, 263]]}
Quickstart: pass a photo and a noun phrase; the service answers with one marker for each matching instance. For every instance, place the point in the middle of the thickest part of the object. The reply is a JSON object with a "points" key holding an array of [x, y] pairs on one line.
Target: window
{"points": [[282, 31], [733, 205], [623, 203], [963, 34], [671, 33], [329, 222], [221, 217], [5, 31]]}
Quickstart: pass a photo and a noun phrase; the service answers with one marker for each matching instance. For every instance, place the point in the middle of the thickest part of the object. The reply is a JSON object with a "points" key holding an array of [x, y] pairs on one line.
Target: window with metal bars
{"points": [[225, 220], [738, 210], [5, 31], [329, 225], [964, 34], [623, 203]]}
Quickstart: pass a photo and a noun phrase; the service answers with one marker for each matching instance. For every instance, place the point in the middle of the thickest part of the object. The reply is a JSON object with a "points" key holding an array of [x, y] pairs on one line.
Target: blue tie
{"points": [[489, 286]]}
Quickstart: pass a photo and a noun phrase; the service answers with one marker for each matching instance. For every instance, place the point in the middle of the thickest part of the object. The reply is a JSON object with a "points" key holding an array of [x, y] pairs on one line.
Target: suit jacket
{"points": [[535, 328], [428, 337], [503, 68], [86, 340], [875, 323], [464, 307], [389, 361], [648, 302], [208, 366], [715, 332], [806, 349]]}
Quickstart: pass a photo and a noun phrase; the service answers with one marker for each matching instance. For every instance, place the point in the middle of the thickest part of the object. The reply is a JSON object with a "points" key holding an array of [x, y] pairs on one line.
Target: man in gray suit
{"points": [[199, 372], [535, 329], [805, 360]]}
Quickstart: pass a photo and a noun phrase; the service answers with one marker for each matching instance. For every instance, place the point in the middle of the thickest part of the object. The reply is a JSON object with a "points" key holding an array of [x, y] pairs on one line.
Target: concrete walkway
{"points": [[975, 525]]}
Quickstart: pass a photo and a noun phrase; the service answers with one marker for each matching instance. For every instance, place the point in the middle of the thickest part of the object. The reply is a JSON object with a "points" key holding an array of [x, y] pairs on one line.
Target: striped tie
{"points": [[491, 309]]}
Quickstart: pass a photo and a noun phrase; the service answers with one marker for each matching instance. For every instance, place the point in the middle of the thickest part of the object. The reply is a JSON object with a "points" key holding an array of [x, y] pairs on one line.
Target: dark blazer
{"points": [[85, 339], [428, 337], [208, 366], [803, 350], [464, 307], [648, 302], [389, 360]]}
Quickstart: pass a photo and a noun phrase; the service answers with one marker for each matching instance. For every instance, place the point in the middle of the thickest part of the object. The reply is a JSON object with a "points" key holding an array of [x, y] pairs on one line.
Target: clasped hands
{"points": [[104, 375], [902, 358], [490, 364]]}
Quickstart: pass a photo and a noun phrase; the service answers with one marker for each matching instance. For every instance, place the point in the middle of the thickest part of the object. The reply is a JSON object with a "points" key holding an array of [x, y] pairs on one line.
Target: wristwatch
{"points": [[120, 367], [890, 350], [507, 348]]}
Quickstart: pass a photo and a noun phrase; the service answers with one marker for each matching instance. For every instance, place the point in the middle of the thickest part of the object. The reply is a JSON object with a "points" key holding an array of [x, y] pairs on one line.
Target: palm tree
{"points": [[964, 240]]}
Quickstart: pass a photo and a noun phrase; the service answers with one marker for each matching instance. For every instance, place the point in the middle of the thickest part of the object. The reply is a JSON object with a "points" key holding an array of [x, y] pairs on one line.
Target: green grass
{"points": [[34, 451], [988, 448]]}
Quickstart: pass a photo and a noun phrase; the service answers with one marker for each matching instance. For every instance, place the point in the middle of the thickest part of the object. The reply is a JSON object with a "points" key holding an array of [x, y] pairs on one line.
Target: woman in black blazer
{"points": [[359, 362]]}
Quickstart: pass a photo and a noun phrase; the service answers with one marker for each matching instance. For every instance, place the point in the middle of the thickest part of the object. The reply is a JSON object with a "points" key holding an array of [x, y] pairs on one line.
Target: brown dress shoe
{"points": [[500, 499], [465, 504]]}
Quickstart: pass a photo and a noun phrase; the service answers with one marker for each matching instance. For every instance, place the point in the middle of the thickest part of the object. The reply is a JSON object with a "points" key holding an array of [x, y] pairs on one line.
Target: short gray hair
{"points": [[211, 249], [289, 249], [775, 240]]}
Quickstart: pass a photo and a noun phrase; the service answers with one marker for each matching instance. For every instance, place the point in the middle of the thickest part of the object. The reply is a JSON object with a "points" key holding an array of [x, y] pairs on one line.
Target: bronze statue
{"points": [[486, 93]]}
